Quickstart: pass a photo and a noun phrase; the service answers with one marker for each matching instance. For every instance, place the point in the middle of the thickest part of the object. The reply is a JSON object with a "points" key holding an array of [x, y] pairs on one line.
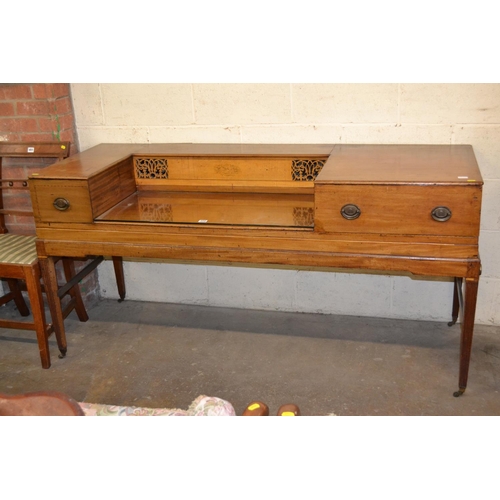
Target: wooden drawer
{"points": [[45, 192], [398, 209]]}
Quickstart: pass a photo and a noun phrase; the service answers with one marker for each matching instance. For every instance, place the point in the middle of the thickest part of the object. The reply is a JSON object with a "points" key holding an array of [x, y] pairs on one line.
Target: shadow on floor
{"points": [[165, 355]]}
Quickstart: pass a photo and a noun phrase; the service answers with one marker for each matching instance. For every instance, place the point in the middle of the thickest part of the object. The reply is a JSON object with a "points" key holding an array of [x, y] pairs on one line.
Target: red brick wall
{"points": [[37, 112], [32, 112]]}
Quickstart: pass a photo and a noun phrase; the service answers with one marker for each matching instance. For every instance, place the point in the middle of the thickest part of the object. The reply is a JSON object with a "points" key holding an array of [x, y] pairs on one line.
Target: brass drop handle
{"points": [[61, 204], [441, 214], [350, 211]]}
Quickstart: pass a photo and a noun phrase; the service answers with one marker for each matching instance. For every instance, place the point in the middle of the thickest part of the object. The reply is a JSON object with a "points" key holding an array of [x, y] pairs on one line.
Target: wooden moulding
{"points": [[424, 266], [237, 237]]}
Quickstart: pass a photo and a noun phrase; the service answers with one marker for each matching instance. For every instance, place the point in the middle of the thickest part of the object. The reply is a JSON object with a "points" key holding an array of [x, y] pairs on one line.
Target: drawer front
{"points": [[398, 209], [72, 198]]}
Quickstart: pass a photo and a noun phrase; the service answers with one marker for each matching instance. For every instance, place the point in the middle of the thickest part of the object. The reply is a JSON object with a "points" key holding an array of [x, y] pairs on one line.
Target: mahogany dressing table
{"points": [[399, 208]]}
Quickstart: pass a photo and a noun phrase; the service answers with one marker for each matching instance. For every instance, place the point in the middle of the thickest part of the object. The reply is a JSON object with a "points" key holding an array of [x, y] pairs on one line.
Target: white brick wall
{"points": [[307, 113]]}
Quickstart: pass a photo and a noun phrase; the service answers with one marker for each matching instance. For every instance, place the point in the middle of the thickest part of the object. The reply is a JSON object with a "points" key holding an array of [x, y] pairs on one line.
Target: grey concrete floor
{"points": [[165, 355]]}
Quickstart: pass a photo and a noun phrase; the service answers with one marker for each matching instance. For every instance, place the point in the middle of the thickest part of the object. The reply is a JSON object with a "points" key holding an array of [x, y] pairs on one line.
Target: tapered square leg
{"points": [[120, 277], [49, 276], [456, 302], [469, 313], [34, 288]]}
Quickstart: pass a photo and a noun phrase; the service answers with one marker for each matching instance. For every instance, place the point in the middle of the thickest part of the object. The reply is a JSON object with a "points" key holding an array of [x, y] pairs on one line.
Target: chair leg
{"points": [[32, 277], [69, 272], [120, 277], [18, 297]]}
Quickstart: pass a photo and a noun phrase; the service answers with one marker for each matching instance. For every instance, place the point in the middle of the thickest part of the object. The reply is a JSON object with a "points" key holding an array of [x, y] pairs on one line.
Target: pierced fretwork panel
{"points": [[151, 168], [303, 216], [306, 170], [156, 212]]}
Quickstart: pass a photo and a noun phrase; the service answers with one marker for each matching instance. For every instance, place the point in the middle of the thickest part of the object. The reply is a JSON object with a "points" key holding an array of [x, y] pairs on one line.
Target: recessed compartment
{"points": [[242, 209]]}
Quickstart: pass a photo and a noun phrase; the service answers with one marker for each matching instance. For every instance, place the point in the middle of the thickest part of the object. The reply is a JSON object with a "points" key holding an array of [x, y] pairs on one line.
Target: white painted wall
{"points": [[303, 113]]}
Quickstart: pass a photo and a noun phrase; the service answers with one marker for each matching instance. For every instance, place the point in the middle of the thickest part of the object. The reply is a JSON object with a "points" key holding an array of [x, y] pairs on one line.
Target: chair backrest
{"points": [[17, 180]]}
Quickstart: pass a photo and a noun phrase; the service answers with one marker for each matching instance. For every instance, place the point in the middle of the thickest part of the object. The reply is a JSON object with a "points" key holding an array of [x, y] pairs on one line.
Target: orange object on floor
{"points": [[289, 410], [256, 409]]}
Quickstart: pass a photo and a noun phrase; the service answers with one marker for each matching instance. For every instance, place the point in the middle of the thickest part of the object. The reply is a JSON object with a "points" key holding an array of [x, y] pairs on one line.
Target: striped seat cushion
{"points": [[17, 249]]}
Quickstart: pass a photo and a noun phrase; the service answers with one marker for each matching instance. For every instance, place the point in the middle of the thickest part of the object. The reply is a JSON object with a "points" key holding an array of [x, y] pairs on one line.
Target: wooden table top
{"points": [[377, 163], [347, 163]]}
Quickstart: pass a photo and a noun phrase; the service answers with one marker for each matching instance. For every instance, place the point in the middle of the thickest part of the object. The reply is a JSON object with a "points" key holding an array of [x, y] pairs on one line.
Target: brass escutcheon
{"points": [[350, 211], [441, 214], [61, 204]]}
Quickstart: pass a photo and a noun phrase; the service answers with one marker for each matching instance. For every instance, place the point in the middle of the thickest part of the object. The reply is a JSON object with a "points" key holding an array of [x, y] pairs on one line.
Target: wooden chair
{"points": [[19, 265]]}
